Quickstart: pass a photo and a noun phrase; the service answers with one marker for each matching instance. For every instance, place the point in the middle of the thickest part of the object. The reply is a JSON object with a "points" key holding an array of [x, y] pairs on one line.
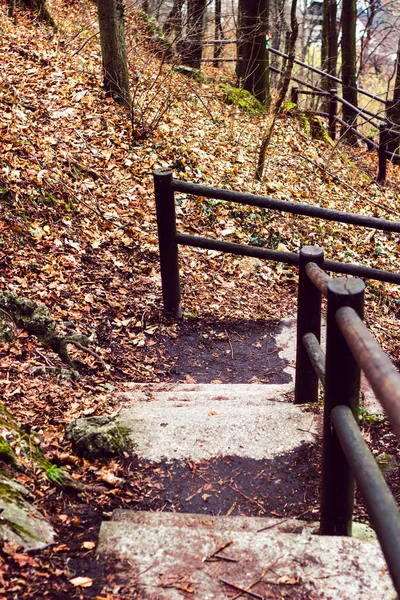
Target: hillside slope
{"points": [[77, 217]]}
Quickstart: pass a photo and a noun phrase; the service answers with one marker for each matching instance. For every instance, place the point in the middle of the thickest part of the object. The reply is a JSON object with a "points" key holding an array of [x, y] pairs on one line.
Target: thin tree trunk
{"points": [[218, 31], [294, 32], [252, 67], [192, 45], [329, 45], [393, 109], [40, 7], [173, 23], [349, 60], [113, 50]]}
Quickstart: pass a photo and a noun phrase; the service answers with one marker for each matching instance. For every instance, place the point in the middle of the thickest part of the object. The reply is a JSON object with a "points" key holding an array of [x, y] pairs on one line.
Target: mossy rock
{"points": [[243, 99], [315, 127], [151, 23], [21, 522], [193, 73], [96, 437]]}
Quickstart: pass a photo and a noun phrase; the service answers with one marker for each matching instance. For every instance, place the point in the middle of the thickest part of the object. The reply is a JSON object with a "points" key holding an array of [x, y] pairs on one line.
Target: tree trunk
{"points": [[294, 32], [40, 7], [253, 57], [173, 23], [393, 110], [349, 61], [329, 43], [113, 50], [218, 31], [192, 46]]}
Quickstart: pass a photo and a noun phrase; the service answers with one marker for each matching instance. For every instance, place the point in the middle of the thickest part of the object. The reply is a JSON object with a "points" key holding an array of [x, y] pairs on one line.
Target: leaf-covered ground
{"points": [[78, 233]]}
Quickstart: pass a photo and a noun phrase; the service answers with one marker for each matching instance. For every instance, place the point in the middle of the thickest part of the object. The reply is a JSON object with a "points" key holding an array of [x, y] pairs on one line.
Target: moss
{"points": [[151, 23], [305, 123], [10, 494], [317, 128], [243, 99], [195, 74], [386, 462], [18, 528]]}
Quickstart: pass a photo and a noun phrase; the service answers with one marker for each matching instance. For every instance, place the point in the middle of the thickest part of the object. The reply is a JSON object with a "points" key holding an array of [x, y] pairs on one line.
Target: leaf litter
{"points": [[78, 233]]}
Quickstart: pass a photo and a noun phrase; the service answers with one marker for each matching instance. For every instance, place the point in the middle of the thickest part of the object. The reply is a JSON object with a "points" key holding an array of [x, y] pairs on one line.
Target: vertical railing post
{"points": [[332, 113], [294, 94], [308, 321], [166, 224], [383, 139], [342, 386]]}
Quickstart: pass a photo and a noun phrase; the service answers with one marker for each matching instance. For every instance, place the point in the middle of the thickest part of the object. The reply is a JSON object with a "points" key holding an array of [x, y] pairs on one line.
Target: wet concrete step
{"points": [[175, 556]]}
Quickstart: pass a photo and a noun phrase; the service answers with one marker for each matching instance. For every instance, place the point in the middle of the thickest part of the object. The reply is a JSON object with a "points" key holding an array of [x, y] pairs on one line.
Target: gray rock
{"points": [[7, 333], [20, 521], [93, 437]]}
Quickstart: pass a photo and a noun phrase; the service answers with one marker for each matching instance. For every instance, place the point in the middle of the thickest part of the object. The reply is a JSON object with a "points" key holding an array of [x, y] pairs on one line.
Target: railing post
{"points": [[332, 113], [294, 95], [383, 139], [308, 321], [342, 386], [166, 224]]}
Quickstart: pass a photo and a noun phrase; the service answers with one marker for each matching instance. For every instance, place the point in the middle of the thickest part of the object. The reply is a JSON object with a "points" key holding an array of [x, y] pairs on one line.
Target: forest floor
{"points": [[78, 233]]}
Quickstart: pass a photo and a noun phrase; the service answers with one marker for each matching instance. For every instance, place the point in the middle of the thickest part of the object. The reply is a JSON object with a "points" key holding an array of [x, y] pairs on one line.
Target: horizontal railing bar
{"points": [[371, 114], [315, 354], [238, 249], [328, 76], [321, 114], [370, 143], [319, 278], [223, 42], [357, 110], [285, 257], [359, 271], [379, 370], [381, 506], [285, 206], [312, 93]]}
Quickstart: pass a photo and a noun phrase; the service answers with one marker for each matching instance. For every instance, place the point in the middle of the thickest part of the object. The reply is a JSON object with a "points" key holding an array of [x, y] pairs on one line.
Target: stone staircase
{"points": [[208, 553]]}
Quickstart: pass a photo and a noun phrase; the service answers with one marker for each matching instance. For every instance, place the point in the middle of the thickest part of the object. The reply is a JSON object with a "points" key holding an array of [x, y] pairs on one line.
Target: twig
{"points": [[242, 590], [229, 342], [284, 521], [69, 340], [259, 579], [235, 489], [47, 361], [217, 551], [86, 42], [343, 182]]}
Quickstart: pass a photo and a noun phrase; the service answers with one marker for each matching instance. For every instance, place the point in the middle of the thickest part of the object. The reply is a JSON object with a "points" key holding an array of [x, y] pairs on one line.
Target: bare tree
{"points": [[191, 47], [294, 32], [113, 50], [329, 42], [252, 54], [349, 61]]}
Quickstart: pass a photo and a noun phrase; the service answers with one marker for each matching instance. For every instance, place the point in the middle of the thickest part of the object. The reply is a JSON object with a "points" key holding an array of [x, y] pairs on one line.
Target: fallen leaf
{"points": [[88, 545], [81, 581]]}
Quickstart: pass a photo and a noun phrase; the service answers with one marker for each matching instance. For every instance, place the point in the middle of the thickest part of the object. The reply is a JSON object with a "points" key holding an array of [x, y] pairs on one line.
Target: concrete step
{"points": [[171, 556], [202, 421]]}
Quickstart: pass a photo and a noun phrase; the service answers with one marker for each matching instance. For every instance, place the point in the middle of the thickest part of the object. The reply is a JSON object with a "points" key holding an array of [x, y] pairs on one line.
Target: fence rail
{"points": [[349, 348], [381, 123]]}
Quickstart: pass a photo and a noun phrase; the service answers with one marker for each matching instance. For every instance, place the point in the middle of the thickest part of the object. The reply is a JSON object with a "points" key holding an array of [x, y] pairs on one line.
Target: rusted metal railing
{"points": [[350, 347], [169, 239]]}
